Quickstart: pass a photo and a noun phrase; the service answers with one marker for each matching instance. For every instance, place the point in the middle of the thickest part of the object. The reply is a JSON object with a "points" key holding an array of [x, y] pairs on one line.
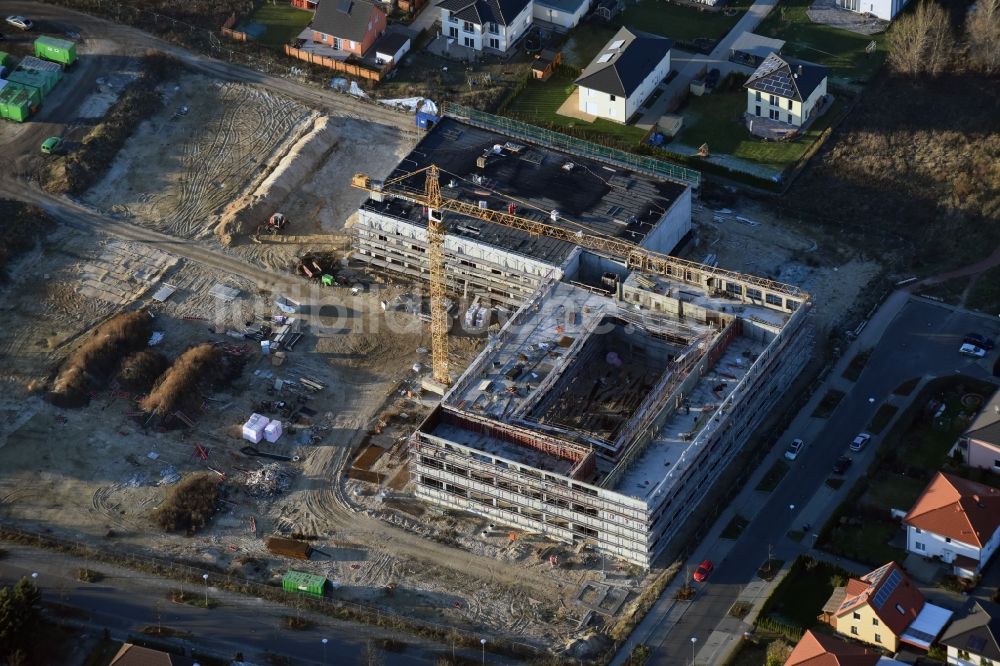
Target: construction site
{"points": [[610, 400], [594, 383]]}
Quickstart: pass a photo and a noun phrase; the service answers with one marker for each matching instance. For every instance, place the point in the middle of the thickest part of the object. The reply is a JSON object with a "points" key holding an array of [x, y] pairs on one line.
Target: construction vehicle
{"points": [[637, 258], [275, 225]]}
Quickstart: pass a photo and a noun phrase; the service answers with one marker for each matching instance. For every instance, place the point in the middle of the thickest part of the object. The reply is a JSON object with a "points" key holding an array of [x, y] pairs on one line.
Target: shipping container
{"points": [[15, 103], [44, 82], [306, 583], [56, 50]]}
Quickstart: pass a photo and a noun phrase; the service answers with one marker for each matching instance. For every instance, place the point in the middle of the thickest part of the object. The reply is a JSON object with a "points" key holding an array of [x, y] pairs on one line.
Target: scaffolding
{"points": [[525, 132]]}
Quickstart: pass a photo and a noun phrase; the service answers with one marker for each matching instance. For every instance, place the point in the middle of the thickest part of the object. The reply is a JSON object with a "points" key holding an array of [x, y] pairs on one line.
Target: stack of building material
{"points": [[253, 429], [299, 550], [272, 432]]}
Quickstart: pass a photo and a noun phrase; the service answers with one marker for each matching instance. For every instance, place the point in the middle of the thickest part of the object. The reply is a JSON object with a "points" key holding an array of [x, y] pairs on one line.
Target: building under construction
{"points": [[611, 400]]}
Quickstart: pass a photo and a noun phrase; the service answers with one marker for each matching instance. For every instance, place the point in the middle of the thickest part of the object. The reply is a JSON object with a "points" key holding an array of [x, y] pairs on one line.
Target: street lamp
{"points": [[694, 640], [324, 641], [482, 641], [204, 577]]}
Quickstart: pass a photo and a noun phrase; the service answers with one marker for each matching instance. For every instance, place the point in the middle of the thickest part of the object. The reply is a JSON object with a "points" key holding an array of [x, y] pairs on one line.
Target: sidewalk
{"points": [[668, 612]]}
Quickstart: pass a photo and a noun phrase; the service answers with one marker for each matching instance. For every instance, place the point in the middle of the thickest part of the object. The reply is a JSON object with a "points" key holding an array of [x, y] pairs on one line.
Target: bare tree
{"points": [[922, 42], [982, 28]]}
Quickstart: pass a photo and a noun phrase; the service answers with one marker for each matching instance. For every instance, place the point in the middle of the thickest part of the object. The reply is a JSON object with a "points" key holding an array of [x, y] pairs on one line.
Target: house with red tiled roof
{"points": [[822, 650], [956, 520], [885, 609]]}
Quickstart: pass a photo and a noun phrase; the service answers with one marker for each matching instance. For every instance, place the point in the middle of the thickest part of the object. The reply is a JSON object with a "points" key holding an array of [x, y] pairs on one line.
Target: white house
{"points": [[490, 25], [957, 520], [563, 13], [785, 90], [624, 74], [883, 9], [973, 638]]}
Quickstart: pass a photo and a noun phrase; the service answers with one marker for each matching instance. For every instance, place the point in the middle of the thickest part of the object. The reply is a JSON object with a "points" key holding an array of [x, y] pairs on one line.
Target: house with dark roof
{"points": [[973, 637], [345, 27], [980, 443], [624, 74], [956, 520], [885, 609], [786, 90], [562, 13], [815, 649], [485, 25]]}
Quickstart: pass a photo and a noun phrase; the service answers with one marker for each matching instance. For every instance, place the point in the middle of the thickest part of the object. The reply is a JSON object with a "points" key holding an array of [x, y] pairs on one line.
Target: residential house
{"points": [[560, 13], [624, 74], [885, 609], [957, 520], [786, 90], [822, 650], [980, 444], [347, 27], [973, 638], [485, 25], [883, 9], [134, 655]]}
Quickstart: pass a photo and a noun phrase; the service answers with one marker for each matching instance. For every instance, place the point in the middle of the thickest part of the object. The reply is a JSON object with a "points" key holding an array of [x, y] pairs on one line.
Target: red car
{"points": [[703, 571]]}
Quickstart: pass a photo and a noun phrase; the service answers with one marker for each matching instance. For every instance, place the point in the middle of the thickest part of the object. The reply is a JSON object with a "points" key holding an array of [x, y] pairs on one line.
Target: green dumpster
{"points": [[305, 583], [56, 50], [327, 280]]}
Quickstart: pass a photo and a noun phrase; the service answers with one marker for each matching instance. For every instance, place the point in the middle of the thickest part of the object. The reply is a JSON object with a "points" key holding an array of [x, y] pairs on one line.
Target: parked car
{"points": [[51, 145], [842, 464], [703, 571], [979, 340], [860, 441], [793, 450], [20, 22], [971, 350], [712, 79]]}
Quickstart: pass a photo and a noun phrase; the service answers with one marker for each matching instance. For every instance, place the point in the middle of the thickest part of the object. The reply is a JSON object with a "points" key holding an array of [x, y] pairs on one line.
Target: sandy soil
{"points": [[769, 247], [181, 167]]}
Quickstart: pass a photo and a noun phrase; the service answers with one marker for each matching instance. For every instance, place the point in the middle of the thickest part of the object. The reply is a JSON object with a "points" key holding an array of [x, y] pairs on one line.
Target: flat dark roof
{"points": [[608, 201]]}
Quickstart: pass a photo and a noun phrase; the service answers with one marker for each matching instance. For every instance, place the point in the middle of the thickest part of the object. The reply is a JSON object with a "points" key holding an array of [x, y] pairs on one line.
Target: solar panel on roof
{"points": [[605, 57], [617, 44], [887, 588], [344, 6]]}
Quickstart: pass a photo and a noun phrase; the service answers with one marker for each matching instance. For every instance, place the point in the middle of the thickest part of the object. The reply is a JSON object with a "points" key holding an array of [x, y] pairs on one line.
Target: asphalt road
{"points": [[922, 340], [124, 601]]}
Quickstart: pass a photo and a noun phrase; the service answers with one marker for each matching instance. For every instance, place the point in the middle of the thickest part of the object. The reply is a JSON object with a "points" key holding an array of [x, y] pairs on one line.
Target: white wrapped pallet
{"points": [[253, 429], [273, 431]]}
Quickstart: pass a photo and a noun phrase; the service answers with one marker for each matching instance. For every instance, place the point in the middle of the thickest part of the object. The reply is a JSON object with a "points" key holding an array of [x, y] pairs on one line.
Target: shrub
{"points": [[777, 653], [140, 370], [180, 385], [189, 505], [92, 363]]}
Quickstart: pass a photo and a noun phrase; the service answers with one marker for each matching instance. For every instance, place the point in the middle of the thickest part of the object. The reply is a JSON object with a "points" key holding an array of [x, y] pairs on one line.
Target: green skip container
{"points": [[15, 103], [304, 583], [61, 51]]}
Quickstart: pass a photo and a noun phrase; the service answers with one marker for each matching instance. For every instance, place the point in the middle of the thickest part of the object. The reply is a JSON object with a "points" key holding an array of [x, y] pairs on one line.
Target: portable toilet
{"points": [[304, 583], [61, 51]]}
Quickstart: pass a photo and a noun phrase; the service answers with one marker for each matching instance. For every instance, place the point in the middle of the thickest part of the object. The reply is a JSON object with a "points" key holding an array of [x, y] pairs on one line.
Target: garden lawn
{"points": [[799, 598], [539, 101], [893, 491], [282, 23], [680, 22], [716, 119], [842, 51], [869, 542]]}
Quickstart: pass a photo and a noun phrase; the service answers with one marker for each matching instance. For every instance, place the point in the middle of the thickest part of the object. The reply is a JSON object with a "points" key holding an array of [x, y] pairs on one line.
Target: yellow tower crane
{"points": [[636, 257]]}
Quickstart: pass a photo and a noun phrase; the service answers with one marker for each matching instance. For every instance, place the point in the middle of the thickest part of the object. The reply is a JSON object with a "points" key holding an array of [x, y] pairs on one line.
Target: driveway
{"points": [[690, 69], [911, 338]]}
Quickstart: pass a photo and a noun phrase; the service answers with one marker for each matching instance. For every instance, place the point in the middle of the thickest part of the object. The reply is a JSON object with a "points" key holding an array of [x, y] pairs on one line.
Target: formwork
{"points": [[304, 583]]}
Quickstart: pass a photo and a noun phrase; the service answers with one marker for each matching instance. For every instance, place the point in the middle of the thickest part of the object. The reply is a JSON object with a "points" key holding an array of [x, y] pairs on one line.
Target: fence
{"points": [[227, 29], [545, 137], [360, 71], [343, 610]]}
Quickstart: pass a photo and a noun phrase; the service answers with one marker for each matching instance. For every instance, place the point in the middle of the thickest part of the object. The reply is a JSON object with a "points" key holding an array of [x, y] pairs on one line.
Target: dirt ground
{"points": [[764, 244]]}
